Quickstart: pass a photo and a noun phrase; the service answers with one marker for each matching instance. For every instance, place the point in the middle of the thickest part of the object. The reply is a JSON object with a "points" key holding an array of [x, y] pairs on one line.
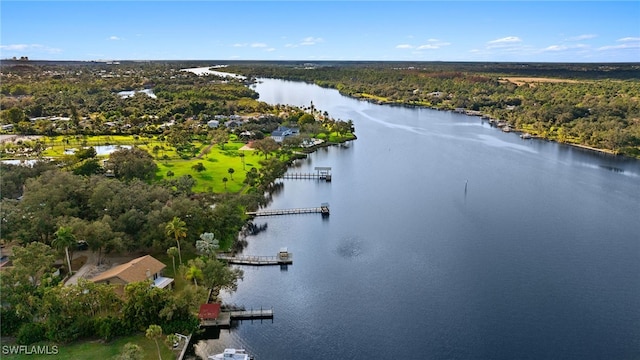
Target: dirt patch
{"points": [[16, 138], [532, 80], [247, 146], [77, 262]]}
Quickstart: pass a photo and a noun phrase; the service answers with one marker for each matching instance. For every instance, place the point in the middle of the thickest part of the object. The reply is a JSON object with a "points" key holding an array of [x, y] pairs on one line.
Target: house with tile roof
{"points": [[143, 268]]}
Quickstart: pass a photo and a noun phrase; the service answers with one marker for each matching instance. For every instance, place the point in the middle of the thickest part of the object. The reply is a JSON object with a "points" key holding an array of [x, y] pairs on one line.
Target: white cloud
{"points": [[626, 39], [310, 40], [504, 42], [555, 48], [621, 46], [30, 48], [16, 47], [258, 45], [290, 45], [270, 49], [582, 37], [113, 37], [433, 44]]}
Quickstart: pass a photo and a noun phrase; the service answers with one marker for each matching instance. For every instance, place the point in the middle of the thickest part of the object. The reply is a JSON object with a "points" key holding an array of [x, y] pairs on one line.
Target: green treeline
{"points": [[48, 207], [596, 105]]}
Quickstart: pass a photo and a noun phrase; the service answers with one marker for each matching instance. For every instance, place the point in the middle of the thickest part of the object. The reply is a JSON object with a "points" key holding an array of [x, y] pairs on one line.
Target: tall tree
{"points": [[154, 332], [64, 240], [177, 229], [265, 146], [194, 273], [207, 245], [173, 252], [132, 163]]}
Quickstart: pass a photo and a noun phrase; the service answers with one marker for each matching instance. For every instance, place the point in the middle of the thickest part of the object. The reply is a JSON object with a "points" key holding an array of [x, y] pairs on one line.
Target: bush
{"points": [[109, 327], [30, 333], [11, 322]]}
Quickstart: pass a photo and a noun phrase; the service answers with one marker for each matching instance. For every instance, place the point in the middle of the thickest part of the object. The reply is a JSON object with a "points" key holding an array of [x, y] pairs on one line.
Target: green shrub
{"points": [[11, 322], [30, 333], [109, 327]]}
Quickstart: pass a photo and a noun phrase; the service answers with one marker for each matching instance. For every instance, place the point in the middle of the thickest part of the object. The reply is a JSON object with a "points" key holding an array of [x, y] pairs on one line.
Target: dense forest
{"points": [[50, 207], [596, 105]]}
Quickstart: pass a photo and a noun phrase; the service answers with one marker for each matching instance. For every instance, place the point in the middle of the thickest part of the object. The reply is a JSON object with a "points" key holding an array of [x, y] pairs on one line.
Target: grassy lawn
{"points": [[100, 350], [374, 97], [216, 161]]}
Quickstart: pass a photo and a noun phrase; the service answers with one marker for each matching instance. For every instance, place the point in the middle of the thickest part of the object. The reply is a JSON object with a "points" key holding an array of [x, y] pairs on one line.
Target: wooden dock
{"points": [[257, 260], [312, 176], [323, 209], [322, 173], [225, 317]]}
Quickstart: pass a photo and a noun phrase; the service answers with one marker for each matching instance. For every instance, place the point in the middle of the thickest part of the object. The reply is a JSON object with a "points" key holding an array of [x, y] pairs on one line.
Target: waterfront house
{"points": [[143, 268], [280, 133]]}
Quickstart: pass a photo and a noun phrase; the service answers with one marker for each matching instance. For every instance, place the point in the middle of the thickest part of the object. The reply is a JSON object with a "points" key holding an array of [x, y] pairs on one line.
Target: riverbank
{"points": [[382, 101]]}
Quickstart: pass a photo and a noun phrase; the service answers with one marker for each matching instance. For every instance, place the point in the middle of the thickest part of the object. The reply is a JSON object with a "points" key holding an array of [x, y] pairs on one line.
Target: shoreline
{"points": [[483, 115]]}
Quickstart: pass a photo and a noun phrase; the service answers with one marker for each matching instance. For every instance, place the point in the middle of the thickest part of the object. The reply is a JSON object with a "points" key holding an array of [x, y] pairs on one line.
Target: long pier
{"points": [[225, 317], [257, 260], [322, 173], [323, 209]]}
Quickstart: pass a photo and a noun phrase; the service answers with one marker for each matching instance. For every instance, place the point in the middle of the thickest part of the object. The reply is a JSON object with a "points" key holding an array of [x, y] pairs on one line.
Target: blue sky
{"points": [[548, 31]]}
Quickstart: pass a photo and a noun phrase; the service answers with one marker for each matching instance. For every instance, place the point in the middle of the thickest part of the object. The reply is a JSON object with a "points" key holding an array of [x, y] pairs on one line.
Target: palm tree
{"points": [[177, 229], [194, 273], [154, 332], [224, 180], [64, 239], [173, 252], [231, 171]]}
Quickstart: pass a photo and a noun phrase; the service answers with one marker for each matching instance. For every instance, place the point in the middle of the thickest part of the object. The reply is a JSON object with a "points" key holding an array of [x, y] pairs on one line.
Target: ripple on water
{"points": [[350, 247]]}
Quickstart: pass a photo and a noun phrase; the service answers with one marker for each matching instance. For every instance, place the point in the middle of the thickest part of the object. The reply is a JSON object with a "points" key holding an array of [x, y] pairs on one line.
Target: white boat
{"points": [[525, 136], [231, 354]]}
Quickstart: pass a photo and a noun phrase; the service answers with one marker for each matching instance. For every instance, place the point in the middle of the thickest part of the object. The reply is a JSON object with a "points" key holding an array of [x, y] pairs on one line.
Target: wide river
{"points": [[447, 239]]}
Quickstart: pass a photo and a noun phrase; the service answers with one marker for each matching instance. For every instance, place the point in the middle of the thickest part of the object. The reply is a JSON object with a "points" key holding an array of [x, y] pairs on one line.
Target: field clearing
{"points": [[216, 161], [217, 164], [528, 80]]}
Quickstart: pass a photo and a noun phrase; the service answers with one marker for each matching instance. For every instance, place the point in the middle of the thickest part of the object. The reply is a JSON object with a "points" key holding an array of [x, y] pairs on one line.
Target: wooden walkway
{"points": [[324, 210], [312, 176], [225, 317], [257, 260], [322, 173]]}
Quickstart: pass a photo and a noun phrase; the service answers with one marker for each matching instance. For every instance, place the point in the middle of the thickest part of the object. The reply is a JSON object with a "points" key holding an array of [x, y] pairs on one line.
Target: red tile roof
{"points": [[209, 311]]}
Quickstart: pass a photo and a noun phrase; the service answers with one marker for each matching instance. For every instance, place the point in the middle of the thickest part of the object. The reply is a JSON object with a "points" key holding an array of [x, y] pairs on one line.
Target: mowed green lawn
{"points": [[216, 161], [98, 350]]}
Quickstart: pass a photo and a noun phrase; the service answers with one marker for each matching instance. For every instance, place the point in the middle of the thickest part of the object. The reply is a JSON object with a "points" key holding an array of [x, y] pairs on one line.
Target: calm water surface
{"points": [[538, 259]]}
